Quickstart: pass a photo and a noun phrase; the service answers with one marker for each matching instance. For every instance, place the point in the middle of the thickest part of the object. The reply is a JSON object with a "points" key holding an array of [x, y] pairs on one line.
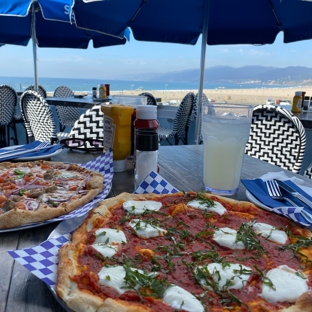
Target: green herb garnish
{"points": [[249, 238], [145, 284], [301, 242]]}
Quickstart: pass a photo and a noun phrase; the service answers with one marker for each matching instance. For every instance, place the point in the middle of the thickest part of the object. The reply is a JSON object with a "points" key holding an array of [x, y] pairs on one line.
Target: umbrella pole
{"points": [[35, 66], [34, 42], [202, 70]]}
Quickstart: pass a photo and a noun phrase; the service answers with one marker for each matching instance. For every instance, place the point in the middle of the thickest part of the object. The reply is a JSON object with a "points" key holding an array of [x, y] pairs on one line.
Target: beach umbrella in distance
{"points": [[50, 24], [220, 22]]}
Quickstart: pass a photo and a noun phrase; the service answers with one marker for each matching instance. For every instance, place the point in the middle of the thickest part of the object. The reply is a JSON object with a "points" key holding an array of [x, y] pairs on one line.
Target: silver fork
{"points": [[23, 151], [275, 193]]}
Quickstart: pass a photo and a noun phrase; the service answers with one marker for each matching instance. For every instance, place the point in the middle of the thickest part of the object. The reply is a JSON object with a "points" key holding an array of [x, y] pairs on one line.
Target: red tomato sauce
{"points": [[187, 245]]}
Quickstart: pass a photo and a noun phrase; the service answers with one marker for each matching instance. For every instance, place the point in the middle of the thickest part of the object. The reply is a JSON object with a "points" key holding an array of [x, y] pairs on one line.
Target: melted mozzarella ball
{"points": [[217, 207], [270, 232], [232, 275], [226, 237], [139, 207], [288, 285], [146, 230]]}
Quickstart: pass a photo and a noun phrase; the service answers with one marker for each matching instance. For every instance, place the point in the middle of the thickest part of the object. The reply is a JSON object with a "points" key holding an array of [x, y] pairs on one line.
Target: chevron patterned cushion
{"points": [[308, 172], [277, 136], [89, 126]]}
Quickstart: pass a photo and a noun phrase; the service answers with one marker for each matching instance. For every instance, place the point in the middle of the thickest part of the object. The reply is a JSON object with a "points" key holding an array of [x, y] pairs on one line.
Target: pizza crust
{"points": [[82, 301], [66, 289], [303, 303], [18, 217]]}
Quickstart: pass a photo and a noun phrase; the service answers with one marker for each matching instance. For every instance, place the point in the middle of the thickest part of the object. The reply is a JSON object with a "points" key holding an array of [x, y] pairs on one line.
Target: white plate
{"points": [[255, 201], [33, 157]]}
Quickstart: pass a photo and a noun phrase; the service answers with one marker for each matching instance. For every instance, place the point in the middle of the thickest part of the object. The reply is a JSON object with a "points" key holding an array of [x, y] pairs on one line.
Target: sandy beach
{"points": [[238, 96]]}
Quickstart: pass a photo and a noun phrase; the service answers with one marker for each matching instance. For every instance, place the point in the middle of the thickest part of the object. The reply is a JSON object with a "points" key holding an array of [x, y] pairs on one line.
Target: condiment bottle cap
{"points": [[146, 140], [146, 112], [298, 93]]}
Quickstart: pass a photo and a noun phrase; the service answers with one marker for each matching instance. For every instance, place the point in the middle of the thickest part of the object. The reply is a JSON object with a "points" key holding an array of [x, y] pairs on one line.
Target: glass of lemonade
{"points": [[225, 131]]}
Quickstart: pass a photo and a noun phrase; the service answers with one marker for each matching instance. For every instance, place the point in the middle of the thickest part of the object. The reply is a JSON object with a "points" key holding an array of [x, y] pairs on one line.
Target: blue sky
{"points": [[146, 57]]}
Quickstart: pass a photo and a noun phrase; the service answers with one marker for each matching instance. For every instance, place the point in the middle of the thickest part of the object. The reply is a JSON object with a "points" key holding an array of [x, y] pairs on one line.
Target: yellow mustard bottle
{"points": [[297, 102], [117, 133], [102, 91]]}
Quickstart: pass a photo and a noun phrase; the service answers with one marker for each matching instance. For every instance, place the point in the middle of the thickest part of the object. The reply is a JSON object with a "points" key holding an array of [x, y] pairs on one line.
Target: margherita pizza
{"points": [[185, 252], [41, 190]]}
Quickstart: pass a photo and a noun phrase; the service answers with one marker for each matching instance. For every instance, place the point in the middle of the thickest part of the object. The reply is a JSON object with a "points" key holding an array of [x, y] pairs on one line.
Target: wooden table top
{"points": [[180, 165]]}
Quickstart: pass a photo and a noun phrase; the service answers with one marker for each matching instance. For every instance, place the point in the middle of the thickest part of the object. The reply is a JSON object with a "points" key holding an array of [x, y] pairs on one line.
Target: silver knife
{"points": [[294, 193]]}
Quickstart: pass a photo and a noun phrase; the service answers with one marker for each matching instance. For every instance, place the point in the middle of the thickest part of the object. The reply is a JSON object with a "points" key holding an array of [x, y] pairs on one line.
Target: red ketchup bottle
{"points": [[146, 118]]}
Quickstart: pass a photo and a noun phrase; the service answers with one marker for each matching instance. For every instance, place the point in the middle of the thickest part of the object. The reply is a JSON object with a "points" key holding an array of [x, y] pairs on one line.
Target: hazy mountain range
{"points": [[246, 74]]}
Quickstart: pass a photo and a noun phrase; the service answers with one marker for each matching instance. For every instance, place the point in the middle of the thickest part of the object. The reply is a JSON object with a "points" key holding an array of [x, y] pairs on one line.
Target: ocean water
{"points": [[80, 84]]}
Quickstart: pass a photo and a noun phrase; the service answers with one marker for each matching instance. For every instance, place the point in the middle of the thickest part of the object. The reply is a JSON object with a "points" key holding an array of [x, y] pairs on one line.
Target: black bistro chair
{"points": [[38, 118], [277, 137], [41, 90], [181, 122], [198, 118], [66, 115], [8, 104], [150, 98]]}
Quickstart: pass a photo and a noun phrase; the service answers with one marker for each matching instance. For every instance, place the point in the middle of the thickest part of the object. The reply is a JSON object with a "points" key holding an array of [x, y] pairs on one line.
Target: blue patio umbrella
{"points": [[218, 21], [183, 21], [49, 23]]}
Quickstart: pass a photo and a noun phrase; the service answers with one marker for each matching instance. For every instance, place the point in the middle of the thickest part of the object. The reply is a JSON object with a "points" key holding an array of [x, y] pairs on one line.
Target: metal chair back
{"points": [[277, 137], [181, 122], [41, 90], [38, 117], [8, 104], [66, 115], [199, 118], [150, 98]]}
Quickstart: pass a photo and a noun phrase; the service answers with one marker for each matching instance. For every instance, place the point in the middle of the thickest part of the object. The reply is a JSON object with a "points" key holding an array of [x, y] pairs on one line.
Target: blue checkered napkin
{"points": [[293, 213], [42, 260], [102, 164], [155, 183], [258, 189]]}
